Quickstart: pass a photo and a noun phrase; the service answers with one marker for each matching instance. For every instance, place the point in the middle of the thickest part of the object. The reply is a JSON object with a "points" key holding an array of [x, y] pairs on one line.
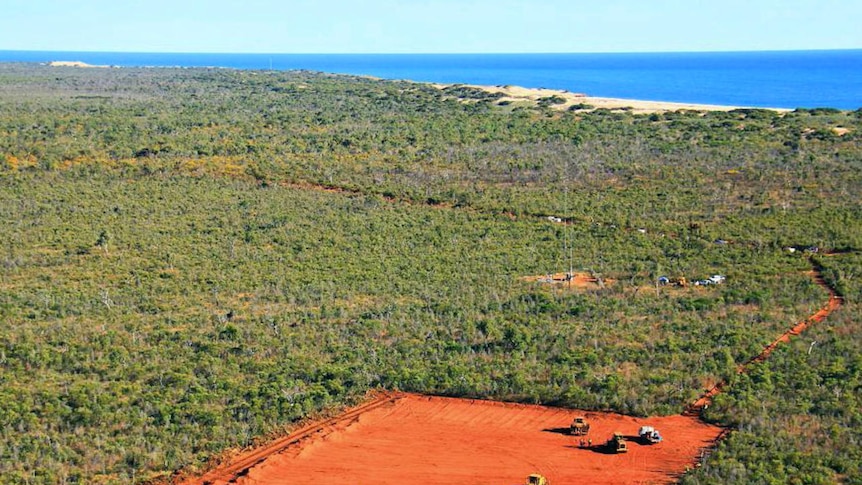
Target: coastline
{"points": [[532, 96], [522, 95]]}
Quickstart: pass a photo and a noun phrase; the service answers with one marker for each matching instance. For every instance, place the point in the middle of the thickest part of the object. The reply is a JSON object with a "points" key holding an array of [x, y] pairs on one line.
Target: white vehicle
{"points": [[649, 435]]}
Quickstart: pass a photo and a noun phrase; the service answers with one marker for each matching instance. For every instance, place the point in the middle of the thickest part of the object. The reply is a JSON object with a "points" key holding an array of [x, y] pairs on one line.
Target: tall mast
{"points": [[567, 248], [570, 236]]}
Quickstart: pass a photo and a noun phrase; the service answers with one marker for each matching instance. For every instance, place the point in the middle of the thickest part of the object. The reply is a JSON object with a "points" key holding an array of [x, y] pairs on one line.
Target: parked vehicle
{"points": [[649, 435]]}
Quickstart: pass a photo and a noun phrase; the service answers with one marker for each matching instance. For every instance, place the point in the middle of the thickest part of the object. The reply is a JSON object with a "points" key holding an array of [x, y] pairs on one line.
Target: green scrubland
{"points": [[194, 258]]}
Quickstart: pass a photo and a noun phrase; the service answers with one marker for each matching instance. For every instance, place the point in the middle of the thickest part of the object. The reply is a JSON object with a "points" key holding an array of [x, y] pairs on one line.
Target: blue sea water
{"points": [[779, 79]]}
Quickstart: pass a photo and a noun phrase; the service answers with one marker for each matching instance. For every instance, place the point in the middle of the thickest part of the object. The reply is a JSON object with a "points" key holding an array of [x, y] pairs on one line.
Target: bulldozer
{"points": [[617, 443], [536, 479], [579, 427]]}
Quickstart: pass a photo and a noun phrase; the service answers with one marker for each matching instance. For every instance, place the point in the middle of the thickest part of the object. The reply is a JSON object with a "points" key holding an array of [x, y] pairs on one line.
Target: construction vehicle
{"points": [[579, 427], [680, 282], [617, 443], [536, 479], [649, 435]]}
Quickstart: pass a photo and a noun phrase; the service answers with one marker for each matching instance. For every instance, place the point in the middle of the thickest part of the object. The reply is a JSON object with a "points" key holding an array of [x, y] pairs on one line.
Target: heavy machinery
{"points": [[680, 282], [536, 479], [579, 427], [617, 443], [649, 435]]}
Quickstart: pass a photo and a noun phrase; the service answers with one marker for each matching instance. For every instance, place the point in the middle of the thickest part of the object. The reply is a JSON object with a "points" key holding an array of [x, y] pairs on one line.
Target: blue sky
{"points": [[429, 26]]}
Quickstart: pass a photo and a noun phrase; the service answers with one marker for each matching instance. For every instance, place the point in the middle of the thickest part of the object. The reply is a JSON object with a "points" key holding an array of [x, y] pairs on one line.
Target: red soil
{"points": [[408, 438], [578, 280]]}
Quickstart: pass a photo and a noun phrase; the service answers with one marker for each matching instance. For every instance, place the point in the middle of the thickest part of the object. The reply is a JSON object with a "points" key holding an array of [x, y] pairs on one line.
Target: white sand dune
{"points": [[516, 94], [71, 64]]}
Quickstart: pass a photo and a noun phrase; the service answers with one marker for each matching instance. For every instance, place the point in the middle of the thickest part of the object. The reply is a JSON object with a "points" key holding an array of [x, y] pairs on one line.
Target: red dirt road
{"points": [[408, 438], [835, 301]]}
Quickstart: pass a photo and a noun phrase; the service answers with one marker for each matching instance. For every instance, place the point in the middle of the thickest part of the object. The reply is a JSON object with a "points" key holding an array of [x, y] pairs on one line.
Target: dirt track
{"points": [[240, 464], [835, 301], [402, 438]]}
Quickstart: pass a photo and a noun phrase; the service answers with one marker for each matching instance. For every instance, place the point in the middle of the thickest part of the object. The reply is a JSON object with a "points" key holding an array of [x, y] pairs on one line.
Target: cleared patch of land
{"points": [[575, 280], [409, 438]]}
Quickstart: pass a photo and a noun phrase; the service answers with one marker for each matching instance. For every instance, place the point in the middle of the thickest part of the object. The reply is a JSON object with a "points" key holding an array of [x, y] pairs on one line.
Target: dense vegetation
{"points": [[174, 280]]}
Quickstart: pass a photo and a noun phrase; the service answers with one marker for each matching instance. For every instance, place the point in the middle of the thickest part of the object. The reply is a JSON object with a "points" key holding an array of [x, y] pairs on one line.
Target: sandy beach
{"points": [[71, 64], [517, 94]]}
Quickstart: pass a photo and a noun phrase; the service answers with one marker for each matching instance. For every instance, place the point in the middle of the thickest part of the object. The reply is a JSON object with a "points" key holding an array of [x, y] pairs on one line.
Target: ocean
{"points": [[776, 79]]}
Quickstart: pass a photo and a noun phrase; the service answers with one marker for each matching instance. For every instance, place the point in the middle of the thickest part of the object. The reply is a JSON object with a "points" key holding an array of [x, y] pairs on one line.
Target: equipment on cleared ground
{"points": [[579, 427], [536, 479], [617, 443], [649, 435], [681, 282], [717, 279]]}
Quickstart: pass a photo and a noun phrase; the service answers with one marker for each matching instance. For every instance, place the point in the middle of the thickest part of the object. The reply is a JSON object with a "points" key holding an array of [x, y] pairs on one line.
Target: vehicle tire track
{"points": [[835, 301], [240, 465]]}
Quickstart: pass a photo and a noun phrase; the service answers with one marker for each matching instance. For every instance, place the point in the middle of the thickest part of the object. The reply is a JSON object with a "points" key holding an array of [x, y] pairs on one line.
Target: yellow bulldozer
{"points": [[617, 443], [679, 282], [579, 426], [536, 479]]}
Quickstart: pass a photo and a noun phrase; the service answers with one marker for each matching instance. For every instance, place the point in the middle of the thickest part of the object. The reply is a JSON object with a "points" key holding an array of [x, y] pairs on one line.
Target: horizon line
{"points": [[731, 51]]}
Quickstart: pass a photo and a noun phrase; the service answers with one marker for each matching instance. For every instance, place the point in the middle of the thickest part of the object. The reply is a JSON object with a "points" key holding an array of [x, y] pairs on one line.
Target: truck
{"points": [[649, 435]]}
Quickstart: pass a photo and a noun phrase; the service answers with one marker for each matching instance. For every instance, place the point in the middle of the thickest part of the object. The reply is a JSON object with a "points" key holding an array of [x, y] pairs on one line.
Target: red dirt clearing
{"points": [[408, 438], [577, 280]]}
